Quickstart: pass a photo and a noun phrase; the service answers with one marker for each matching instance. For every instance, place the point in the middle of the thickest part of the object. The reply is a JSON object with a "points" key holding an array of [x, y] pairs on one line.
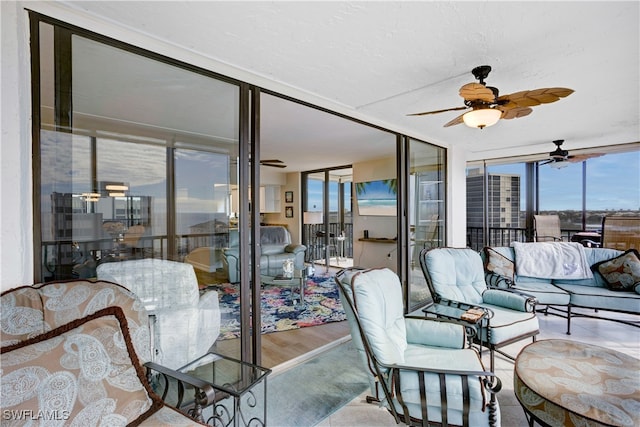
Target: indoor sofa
{"points": [[275, 248], [77, 353], [614, 285]]}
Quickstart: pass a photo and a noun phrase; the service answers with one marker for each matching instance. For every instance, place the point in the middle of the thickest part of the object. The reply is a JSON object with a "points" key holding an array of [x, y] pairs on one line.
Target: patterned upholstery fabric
{"points": [[28, 311], [73, 352], [85, 372]]}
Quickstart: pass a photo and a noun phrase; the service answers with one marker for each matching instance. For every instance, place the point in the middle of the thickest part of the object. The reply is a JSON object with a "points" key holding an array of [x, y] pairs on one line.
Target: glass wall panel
{"points": [[503, 197], [580, 193], [427, 203], [564, 200], [612, 187], [137, 160], [313, 217]]}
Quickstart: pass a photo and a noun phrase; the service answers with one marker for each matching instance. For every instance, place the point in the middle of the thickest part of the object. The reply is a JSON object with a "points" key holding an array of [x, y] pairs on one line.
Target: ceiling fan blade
{"points": [[458, 120], [438, 111], [547, 162], [531, 98], [477, 92], [274, 165], [583, 157], [515, 112]]}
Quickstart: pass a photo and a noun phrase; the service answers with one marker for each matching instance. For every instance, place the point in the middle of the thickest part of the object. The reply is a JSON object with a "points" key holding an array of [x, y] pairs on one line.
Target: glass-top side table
{"points": [[239, 400]]}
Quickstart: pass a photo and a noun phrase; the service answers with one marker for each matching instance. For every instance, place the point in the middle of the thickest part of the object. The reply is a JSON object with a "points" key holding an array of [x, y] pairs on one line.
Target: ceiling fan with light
{"points": [[560, 158], [485, 106]]}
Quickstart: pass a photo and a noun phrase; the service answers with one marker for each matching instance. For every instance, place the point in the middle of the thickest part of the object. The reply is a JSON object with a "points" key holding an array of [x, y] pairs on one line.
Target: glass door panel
{"points": [[313, 217], [137, 159], [426, 212]]}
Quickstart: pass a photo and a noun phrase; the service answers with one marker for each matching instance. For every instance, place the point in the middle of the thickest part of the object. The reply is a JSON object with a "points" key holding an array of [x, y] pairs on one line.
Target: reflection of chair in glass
{"points": [[425, 237], [456, 276], [547, 228], [420, 369], [131, 239], [186, 323], [205, 258], [621, 232]]}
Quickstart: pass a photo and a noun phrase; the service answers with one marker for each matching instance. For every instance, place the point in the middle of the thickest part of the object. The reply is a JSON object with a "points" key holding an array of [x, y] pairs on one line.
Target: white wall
{"points": [[16, 218], [369, 254], [456, 198]]}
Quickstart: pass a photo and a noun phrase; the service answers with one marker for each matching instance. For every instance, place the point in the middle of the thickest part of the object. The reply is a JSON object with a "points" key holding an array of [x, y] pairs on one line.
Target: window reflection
{"points": [[204, 208]]}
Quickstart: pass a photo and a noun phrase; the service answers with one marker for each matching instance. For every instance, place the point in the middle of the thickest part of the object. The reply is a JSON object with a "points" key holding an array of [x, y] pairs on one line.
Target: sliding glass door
{"points": [[135, 160], [327, 217], [427, 201]]}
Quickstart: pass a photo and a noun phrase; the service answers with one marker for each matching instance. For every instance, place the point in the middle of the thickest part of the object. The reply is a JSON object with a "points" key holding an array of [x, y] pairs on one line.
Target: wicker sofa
{"points": [[614, 286], [77, 353]]}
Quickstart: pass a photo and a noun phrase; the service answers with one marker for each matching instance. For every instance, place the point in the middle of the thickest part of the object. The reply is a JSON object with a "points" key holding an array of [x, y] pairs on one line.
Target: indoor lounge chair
{"points": [[420, 369], [455, 276]]}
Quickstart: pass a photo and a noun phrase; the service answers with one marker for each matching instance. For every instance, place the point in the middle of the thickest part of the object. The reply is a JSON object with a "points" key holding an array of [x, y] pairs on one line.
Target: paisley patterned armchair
{"points": [[74, 352]]}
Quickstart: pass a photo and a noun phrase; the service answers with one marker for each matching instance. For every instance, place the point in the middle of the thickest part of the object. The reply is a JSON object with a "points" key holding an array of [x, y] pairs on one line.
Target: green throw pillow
{"points": [[621, 273]]}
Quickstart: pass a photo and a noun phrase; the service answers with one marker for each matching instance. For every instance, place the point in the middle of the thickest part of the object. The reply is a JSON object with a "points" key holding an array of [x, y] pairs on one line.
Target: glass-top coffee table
{"points": [[296, 281]]}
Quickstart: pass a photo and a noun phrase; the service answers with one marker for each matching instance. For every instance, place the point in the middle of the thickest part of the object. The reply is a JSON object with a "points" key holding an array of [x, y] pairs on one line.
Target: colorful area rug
{"points": [[279, 312]]}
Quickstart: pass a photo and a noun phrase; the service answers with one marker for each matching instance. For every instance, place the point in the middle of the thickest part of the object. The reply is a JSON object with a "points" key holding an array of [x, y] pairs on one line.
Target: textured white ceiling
{"points": [[383, 60]]}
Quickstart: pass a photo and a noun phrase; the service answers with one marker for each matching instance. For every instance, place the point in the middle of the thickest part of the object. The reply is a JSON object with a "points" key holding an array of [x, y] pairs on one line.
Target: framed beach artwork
{"points": [[288, 212], [288, 196], [377, 198]]}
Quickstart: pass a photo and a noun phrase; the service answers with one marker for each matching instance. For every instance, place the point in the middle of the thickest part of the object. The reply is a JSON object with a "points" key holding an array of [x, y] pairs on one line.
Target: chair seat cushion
{"points": [[169, 417], [507, 324], [545, 293], [441, 359], [603, 298]]}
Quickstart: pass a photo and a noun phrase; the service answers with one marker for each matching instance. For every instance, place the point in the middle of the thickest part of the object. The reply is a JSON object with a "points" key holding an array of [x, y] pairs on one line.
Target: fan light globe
{"points": [[481, 118], [559, 165]]}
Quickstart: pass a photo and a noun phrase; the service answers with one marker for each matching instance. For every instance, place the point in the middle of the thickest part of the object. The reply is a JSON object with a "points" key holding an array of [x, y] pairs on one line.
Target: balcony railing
{"points": [[315, 240], [501, 236]]}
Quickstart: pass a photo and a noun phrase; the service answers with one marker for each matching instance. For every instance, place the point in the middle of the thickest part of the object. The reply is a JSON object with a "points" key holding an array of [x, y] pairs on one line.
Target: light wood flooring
{"points": [[287, 347], [283, 349]]}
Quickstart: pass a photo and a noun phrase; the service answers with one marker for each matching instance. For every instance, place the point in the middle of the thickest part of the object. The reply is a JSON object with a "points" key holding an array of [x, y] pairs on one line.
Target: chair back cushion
{"points": [[454, 274], [85, 372], [30, 311], [274, 235], [377, 297], [158, 283]]}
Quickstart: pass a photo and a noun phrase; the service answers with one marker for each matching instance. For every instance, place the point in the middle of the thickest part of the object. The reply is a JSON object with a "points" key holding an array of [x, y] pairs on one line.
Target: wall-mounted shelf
{"points": [[377, 240]]}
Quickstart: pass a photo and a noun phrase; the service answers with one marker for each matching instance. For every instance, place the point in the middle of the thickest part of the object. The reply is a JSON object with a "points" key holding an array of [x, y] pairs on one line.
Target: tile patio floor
{"points": [[620, 337]]}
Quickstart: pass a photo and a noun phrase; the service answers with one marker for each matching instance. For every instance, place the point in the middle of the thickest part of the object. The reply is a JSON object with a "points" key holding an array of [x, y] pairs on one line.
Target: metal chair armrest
{"points": [[171, 386]]}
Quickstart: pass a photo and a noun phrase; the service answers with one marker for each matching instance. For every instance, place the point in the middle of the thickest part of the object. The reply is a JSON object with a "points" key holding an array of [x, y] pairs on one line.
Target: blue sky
{"points": [[613, 182]]}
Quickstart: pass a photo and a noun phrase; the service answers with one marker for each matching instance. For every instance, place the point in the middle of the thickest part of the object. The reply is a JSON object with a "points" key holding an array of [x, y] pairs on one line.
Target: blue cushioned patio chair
{"points": [[421, 370], [455, 276]]}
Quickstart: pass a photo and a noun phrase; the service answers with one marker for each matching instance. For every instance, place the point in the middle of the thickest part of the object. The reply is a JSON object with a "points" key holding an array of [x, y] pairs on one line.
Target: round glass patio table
{"points": [[569, 383]]}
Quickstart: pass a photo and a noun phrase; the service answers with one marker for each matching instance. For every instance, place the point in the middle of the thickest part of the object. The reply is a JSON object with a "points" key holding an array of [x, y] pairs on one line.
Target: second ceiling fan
{"points": [[560, 157], [485, 106]]}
